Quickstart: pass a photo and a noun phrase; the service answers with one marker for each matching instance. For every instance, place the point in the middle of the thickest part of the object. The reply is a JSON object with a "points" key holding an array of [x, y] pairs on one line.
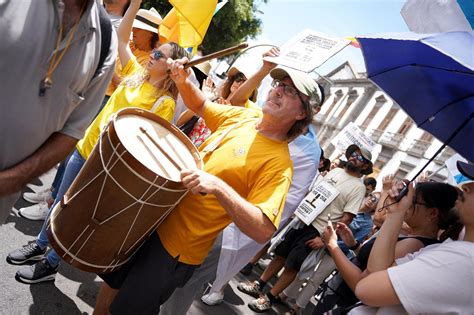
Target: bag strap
{"points": [[158, 102], [106, 37]]}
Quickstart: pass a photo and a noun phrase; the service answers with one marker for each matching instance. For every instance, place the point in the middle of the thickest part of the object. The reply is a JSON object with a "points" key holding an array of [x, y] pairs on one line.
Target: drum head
{"points": [[154, 146]]}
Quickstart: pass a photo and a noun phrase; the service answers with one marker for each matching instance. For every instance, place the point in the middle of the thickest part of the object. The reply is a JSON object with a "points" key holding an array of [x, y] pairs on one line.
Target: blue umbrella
{"points": [[432, 78]]}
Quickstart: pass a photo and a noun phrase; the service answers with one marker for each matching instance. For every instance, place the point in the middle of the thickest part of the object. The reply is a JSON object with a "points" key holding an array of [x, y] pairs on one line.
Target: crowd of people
{"points": [[362, 252]]}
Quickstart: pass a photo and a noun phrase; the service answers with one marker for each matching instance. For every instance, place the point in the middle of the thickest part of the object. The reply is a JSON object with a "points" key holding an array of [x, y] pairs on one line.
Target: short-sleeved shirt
{"points": [[305, 153], [143, 96], [29, 30], [435, 280], [200, 132], [142, 58], [351, 194], [259, 169]]}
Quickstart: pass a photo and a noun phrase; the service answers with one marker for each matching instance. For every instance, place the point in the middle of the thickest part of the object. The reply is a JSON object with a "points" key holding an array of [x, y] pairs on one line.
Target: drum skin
{"points": [[115, 202]]}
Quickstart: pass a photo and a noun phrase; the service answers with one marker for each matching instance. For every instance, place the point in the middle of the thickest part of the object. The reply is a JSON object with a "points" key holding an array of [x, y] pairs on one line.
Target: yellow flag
{"points": [[188, 21]]}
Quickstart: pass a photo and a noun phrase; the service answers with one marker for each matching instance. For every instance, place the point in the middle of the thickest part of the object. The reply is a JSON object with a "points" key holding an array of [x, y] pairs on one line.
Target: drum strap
{"points": [[216, 142], [159, 101]]}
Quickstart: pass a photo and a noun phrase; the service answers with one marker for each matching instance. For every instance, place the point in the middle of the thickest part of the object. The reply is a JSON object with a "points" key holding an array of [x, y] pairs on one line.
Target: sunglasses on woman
{"points": [[239, 78], [156, 54]]}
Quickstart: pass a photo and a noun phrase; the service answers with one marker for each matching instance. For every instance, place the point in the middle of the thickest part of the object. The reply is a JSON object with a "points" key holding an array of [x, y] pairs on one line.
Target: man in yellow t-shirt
{"points": [[245, 179]]}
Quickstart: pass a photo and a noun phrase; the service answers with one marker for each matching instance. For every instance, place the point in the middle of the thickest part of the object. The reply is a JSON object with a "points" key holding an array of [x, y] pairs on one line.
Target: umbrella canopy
{"points": [[431, 77]]}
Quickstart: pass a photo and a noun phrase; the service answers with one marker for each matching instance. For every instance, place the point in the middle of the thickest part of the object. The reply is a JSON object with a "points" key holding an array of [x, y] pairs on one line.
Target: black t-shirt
{"points": [[362, 257]]}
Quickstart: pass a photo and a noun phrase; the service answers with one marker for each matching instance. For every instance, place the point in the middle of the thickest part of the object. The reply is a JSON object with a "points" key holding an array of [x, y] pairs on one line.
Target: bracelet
{"points": [[356, 245]]}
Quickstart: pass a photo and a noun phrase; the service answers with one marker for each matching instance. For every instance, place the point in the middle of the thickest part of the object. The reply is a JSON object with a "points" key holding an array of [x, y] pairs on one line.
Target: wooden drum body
{"points": [[126, 188]]}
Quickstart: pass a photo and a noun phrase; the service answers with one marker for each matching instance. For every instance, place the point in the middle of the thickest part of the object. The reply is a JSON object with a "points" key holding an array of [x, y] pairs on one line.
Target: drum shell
{"points": [[86, 229]]}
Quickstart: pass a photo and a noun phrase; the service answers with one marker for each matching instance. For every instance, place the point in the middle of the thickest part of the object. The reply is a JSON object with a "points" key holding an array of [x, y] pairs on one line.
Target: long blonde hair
{"points": [[138, 78]]}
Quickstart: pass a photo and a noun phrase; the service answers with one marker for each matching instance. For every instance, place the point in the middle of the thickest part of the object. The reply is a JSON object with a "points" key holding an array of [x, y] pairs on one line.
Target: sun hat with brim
{"points": [[467, 170], [365, 153], [204, 67], [303, 83], [148, 20], [247, 73], [234, 70]]}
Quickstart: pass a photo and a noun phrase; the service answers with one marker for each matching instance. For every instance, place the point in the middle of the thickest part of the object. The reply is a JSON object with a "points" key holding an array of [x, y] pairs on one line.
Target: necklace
{"points": [[47, 82]]}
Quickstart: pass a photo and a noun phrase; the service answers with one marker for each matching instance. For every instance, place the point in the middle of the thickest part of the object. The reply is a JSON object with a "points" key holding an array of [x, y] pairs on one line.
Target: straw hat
{"points": [[148, 20], [234, 70], [204, 67]]}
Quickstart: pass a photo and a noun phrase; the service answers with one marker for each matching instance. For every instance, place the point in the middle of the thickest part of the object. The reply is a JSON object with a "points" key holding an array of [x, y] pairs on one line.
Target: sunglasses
{"points": [[359, 157], [156, 54], [239, 78]]}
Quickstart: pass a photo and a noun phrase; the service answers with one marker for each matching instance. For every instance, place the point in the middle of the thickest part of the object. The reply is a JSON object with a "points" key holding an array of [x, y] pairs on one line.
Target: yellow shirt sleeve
{"points": [[166, 109], [269, 194], [131, 67]]}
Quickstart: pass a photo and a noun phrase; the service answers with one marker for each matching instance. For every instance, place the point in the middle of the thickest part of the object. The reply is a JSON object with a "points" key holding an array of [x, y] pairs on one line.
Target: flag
{"points": [[438, 16], [354, 42], [188, 21]]}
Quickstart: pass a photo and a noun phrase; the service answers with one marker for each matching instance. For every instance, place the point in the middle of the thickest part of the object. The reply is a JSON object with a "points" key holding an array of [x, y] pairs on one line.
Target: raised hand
{"points": [[273, 52], [176, 69], [346, 234]]}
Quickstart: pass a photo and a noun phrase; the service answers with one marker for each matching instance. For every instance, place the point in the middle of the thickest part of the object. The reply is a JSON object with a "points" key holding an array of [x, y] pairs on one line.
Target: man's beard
{"points": [[352, 167]]}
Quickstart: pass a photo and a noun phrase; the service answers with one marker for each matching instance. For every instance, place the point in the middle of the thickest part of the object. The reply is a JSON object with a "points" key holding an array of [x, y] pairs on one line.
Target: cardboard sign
{"points": [[308, 50], [316, 201], [351, 134]]}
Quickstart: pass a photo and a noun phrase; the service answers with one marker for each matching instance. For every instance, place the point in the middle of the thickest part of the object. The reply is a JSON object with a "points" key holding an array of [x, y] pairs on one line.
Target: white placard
{"points": [[316, 201], [456, 177], [308, 50], [351, 134]]}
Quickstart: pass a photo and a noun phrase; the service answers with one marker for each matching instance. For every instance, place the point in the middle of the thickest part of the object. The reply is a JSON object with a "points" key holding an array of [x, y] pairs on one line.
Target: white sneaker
{"points": [[212, 299], [35, 212], [36, 188], [37, 197]]}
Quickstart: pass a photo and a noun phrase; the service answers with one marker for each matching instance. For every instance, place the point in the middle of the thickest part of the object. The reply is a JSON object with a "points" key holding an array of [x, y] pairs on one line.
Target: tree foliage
{"points": [[236, 22]]}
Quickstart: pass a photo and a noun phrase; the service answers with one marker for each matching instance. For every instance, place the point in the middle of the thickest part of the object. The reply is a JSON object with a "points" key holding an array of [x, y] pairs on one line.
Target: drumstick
{"points": [[161, 149], [216, 54], [164, 153]]}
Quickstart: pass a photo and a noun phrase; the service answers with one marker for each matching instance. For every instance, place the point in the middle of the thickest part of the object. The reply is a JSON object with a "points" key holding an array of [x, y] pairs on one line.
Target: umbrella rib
{"points": [[425, 66], [432, 117]]}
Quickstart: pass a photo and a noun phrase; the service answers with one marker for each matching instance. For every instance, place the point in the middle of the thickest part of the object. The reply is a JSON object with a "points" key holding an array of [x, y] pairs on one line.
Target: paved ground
{"points": [[74, 291]]}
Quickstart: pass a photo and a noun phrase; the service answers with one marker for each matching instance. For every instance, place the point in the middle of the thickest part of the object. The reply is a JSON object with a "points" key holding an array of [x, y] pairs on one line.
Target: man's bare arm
{"points": [[52, 151]]}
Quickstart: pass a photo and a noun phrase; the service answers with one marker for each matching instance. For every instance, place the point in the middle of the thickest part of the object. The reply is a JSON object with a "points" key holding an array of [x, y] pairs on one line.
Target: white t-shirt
{"points": [[351, 194], [438, 279]]}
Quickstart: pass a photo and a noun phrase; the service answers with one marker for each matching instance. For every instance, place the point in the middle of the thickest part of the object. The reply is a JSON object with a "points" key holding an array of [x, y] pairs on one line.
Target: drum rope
{"points": [[158, 222], [119, 158], [83, 244], [95, 177], [138, 213], [75, 241]]}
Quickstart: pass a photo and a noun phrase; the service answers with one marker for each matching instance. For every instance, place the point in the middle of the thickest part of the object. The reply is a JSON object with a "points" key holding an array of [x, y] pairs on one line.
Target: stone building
{"points": [[402, 147]]}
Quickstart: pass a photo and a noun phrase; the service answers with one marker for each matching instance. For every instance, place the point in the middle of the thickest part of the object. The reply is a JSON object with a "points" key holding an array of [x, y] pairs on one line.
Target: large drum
{"points": [[126, 188]]}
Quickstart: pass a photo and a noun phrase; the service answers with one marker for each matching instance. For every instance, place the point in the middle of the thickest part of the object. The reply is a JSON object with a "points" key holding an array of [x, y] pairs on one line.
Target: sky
{"points": [[283, 19]]}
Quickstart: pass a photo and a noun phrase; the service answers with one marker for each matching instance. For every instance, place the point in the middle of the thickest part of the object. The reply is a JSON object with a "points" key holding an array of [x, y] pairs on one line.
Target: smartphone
{"points": [[403, 192], [373, 199]]}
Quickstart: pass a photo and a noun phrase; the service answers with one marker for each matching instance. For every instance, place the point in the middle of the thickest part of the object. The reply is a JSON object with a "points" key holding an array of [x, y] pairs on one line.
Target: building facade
{"points": [[402, 148]]}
